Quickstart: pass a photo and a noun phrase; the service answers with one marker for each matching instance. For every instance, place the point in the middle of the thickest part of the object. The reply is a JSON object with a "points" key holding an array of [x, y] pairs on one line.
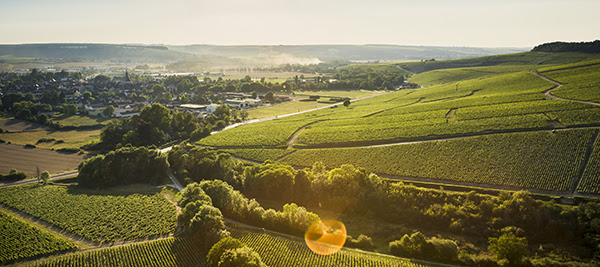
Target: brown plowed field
{"points": [[26, 159]]}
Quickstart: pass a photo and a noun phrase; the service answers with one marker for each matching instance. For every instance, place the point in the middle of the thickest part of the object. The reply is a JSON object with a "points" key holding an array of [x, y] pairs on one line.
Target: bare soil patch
{"points": [[26, 159]]}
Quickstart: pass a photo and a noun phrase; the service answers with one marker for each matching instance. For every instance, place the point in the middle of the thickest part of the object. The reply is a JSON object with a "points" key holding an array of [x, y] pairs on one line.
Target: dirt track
{"points": [[559, 85]]}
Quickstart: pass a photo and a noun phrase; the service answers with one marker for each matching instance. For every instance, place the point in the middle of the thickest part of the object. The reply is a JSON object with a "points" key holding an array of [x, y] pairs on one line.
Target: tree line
{"points": [[584, 47]]}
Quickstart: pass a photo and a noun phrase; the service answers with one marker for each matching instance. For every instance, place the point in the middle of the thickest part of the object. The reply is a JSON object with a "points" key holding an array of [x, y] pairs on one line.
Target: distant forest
{"points": [[585, 47]]}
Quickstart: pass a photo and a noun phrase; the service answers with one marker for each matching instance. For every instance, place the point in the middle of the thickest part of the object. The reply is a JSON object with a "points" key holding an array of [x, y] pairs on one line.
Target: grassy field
{"points": [[283, 108], [99, 216], [29, 159], [347, 93], [81, 121], [297, 106], [19, 240]]}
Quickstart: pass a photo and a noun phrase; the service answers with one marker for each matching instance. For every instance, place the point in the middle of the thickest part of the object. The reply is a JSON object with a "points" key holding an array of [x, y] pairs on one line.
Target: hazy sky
{"points": [[481, 23]]}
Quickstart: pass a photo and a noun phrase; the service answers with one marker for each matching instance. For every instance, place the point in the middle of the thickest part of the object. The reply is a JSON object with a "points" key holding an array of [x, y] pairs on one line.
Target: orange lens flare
{"points": [[326, 237]]}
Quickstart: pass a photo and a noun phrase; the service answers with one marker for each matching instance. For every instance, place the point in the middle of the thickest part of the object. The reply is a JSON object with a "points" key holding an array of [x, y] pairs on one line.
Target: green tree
{"points": [[509, 247], [228, 243], [158, 90], [45, 177], [108, 111], [347, 103], [241, 257], [269, 97], [69, 109], [244, 114], [158, 115]]}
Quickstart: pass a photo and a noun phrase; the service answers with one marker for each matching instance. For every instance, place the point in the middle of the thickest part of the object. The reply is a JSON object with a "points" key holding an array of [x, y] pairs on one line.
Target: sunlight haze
{"points": [[238, 22]]}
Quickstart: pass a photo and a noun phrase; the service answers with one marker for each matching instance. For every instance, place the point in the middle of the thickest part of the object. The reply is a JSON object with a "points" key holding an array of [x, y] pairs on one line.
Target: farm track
{"points": [[296, 134], [68, 174], [548, 93]]}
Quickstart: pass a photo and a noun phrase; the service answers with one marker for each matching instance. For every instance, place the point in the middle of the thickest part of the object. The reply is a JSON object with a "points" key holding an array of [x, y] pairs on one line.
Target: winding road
{"points": [[559, 85]]}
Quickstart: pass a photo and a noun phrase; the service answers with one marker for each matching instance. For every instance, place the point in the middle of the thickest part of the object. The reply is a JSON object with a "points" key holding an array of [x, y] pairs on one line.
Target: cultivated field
{"points": [[20, 240], [164, 252], [98, 216], [280, 251], [27, 159], [510, 135]]}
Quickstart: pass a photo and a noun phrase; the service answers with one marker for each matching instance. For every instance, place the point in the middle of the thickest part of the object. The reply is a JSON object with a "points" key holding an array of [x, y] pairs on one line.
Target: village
{"points": [[93, 95]]}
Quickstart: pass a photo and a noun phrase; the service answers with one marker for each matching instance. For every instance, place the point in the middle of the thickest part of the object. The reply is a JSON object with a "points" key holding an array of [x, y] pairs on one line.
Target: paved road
{"points": [[174, 180], [34, 180]]}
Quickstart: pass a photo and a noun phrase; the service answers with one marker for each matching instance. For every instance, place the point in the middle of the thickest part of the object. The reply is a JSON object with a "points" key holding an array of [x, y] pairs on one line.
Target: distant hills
{"points": [[239, 55], [95, 52], [348, 52]]}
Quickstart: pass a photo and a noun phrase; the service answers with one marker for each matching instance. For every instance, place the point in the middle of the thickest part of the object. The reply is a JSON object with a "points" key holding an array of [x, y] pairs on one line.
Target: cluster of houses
{"points": [[125, 96]]}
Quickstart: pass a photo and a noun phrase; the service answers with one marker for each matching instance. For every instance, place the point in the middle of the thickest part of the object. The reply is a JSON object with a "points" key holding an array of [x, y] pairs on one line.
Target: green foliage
{"points": [[45, 177], [243, 257], [509, 247], [234, 205], [13, 175], [228, 243], [98, 216], [205, 164], [126, 165], [108, 111], [586, 47], [163, 252], [20, 241], [418, 246], [362, 242], [270, 180]]}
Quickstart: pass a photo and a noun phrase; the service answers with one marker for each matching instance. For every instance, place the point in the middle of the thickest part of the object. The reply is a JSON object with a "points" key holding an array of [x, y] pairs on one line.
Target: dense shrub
{"points": [[362, 242], [418, 246], [241, 257], [228, 243], [126, 165], [13, 175]]}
